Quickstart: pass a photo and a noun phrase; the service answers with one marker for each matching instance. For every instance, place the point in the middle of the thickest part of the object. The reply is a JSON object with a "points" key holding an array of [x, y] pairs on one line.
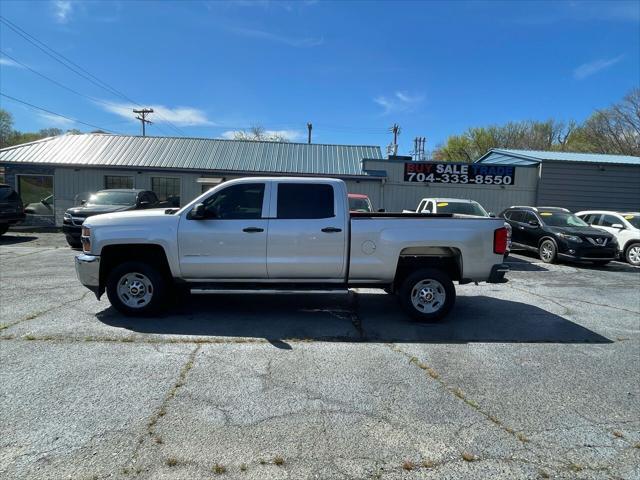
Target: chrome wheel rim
{"points": [[135, 290], [634, 255], [428, 296], [546, 251]]}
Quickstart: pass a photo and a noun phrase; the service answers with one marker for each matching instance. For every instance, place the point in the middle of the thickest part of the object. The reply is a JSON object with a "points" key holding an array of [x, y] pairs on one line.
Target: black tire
{"points": [[151, 279], [4, 229], [74, 243], [409, 290], [600, 263], [632, 255], [548, 252]]}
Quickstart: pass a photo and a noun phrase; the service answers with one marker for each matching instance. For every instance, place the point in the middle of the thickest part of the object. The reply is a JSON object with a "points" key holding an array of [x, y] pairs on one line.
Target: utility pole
{"points": [[309, 128], [142, 117], [393, 148]]}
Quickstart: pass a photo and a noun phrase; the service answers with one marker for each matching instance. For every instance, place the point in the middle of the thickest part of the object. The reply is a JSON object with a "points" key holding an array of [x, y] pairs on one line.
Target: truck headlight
{"points": [[570, 238], [86, 239]]}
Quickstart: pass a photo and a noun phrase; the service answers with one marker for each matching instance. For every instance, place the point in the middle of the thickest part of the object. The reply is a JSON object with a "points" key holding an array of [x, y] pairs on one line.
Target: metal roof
{"points": [[532, 157], [101, 150]]}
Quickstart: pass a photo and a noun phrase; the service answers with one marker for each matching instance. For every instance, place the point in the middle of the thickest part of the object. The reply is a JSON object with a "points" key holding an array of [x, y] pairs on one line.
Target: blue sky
{"points": [[353, 68]]}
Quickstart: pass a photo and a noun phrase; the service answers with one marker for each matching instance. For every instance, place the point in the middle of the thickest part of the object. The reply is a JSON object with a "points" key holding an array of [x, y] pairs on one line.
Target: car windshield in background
{"points": [[112, 198], [633, 219], [562, 219], [359, 205], [463, 208]]}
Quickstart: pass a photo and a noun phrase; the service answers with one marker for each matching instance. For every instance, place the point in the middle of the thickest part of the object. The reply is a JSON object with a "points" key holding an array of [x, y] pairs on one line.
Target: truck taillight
{"points": [[500, 239]]}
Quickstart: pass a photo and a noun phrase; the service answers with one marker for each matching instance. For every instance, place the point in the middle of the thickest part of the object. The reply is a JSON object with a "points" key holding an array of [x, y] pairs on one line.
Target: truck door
{"points": [[231, 241], [307, 232]]}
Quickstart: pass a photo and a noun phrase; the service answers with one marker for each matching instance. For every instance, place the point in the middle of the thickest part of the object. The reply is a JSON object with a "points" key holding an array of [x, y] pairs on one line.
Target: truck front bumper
{"points": [[88, 272], [497, 273]]}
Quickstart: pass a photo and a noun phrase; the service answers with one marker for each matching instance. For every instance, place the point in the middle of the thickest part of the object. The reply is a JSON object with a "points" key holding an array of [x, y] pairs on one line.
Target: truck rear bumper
{"points": [[88, 272], [497, 273]]}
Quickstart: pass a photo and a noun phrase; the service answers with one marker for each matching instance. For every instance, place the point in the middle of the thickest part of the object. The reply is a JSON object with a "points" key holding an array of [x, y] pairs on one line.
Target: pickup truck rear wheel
{"points": [[427, 295], [136, 288]]}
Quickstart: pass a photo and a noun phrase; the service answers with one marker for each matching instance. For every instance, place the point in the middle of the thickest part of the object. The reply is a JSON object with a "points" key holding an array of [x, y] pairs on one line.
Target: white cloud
{"points": [[62, 10], [7, 62], [291, 135], [300, 42], [55, 120], [587, 69], [398, 102], [180, 116]]}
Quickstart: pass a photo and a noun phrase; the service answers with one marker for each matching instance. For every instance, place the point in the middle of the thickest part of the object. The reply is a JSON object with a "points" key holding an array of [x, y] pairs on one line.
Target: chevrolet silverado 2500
{"points": [[282, 233]]}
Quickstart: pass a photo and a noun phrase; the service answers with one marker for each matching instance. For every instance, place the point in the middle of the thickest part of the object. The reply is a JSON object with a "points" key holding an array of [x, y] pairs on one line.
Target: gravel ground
{"points": [[536, 378]]}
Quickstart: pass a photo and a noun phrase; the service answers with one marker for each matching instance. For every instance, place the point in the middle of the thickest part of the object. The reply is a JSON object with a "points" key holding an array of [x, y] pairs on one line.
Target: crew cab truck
{"points": [[280, 233]]}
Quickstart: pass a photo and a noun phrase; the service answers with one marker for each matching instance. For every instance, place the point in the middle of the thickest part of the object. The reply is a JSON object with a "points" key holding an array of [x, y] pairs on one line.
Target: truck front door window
{"points": [[238, 202]]}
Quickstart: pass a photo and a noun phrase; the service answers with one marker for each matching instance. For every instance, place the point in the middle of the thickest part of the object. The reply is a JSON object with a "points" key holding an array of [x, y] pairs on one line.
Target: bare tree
{"points": [[258, 133]]}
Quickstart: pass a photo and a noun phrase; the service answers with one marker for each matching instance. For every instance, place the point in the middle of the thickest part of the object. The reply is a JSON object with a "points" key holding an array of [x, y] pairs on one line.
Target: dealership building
{"points": [[57, 173]]}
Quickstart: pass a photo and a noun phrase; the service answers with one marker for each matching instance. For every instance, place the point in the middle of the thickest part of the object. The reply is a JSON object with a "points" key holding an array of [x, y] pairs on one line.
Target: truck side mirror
{"points": [[618, 225], [83, 202], [533, 223], [492, 215], [144, 204], [198, 212]]}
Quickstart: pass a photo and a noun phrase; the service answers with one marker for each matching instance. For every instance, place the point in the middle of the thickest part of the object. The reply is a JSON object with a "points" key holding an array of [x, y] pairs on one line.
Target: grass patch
{"points": [[618, 433], [636, 445], [543, 474], [278, 460], [30, 337], [171, 462], [522, 437], [158, 440], [428, 463], [243, 467], [576, 467], [219, 469], [408, 465], [263, 461], [469, 457]]}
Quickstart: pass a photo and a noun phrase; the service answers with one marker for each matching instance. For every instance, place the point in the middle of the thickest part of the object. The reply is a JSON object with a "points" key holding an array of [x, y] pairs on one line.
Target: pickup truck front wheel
{"points": [[427, 295], [136, 288]]}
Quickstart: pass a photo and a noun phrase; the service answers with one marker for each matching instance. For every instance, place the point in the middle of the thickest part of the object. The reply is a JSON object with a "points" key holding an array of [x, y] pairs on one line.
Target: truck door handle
{"points": [[253, 230], [331, 230]]}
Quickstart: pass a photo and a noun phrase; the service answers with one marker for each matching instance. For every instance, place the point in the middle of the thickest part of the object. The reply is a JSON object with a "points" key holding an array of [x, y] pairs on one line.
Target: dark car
{"points": [[105, 201], [11, 208], [557, 233]]}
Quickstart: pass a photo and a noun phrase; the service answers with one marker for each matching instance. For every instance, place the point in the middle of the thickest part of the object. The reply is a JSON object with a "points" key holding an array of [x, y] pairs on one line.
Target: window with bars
{"points": [[167, 189], [118, 181]]}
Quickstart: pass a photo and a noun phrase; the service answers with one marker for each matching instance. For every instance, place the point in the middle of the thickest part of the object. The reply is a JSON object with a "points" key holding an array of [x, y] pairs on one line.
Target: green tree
{"points": [[6, 128]]}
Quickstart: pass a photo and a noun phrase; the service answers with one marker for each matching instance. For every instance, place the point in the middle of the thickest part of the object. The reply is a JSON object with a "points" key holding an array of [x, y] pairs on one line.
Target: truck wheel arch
{"points": [[113, 255], [446, 259]]}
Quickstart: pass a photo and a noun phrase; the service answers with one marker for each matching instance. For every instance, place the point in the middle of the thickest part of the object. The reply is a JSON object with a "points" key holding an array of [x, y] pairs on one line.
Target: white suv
{"points": [[624, 226]]}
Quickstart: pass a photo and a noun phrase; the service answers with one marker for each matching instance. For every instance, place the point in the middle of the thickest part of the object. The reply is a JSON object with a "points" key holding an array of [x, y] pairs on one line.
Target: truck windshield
{"points": [[562, 219], [359, 205], [112, 198], [463, 208]]}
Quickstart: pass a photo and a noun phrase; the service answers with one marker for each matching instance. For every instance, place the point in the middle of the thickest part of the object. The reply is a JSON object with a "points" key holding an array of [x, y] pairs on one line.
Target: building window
{"points": [[117, 181], [167, 189], [36, 192]]}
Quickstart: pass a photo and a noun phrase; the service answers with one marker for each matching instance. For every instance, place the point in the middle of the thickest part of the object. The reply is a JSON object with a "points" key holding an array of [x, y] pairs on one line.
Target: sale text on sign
{"points": [[445, 172]]}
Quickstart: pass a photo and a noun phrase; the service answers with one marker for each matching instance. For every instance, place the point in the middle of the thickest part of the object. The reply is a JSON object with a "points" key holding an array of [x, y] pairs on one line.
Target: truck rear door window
{"points": [[305, 200]]}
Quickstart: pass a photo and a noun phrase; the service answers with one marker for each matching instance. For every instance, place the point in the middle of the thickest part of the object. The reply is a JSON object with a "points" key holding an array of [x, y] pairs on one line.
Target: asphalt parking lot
{"points": [[536, 378]]}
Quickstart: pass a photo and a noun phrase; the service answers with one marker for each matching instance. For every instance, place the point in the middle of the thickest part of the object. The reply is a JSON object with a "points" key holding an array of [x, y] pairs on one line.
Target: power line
{"points": [[56, 114], [74, 67]]}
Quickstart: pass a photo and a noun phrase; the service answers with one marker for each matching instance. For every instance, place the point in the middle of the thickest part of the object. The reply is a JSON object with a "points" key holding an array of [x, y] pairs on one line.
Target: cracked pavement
{"points": [[536, 378]]}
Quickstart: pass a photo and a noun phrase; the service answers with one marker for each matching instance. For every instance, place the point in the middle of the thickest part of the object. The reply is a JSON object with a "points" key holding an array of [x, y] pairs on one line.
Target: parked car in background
{"points": [[624, 226], [288, 234], [104, 201], [359, 202], [43, 207], [557, 233], [458, 206], [11, 208]]}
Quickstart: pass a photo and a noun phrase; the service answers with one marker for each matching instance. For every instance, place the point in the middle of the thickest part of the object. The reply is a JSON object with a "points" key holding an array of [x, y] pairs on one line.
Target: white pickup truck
{"points": [[282, 233]]}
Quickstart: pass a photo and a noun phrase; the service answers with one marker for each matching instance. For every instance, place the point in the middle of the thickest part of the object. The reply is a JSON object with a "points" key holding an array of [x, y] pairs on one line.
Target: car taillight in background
{"points": [[500, 241]]}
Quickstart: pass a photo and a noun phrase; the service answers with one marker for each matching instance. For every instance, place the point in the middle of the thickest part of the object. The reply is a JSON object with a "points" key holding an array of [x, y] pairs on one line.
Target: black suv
{"points": [[11, 208], [557, 233], [104, 201]]}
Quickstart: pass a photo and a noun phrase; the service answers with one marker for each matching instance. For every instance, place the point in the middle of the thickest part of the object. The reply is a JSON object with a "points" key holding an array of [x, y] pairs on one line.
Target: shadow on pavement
{"points": [[8, 239], [518, 264], [614, 266], [361, 317]]}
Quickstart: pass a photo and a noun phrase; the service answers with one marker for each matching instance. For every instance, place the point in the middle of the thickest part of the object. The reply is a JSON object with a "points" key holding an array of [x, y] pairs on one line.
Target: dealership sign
{"points": [[447, 172]]}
